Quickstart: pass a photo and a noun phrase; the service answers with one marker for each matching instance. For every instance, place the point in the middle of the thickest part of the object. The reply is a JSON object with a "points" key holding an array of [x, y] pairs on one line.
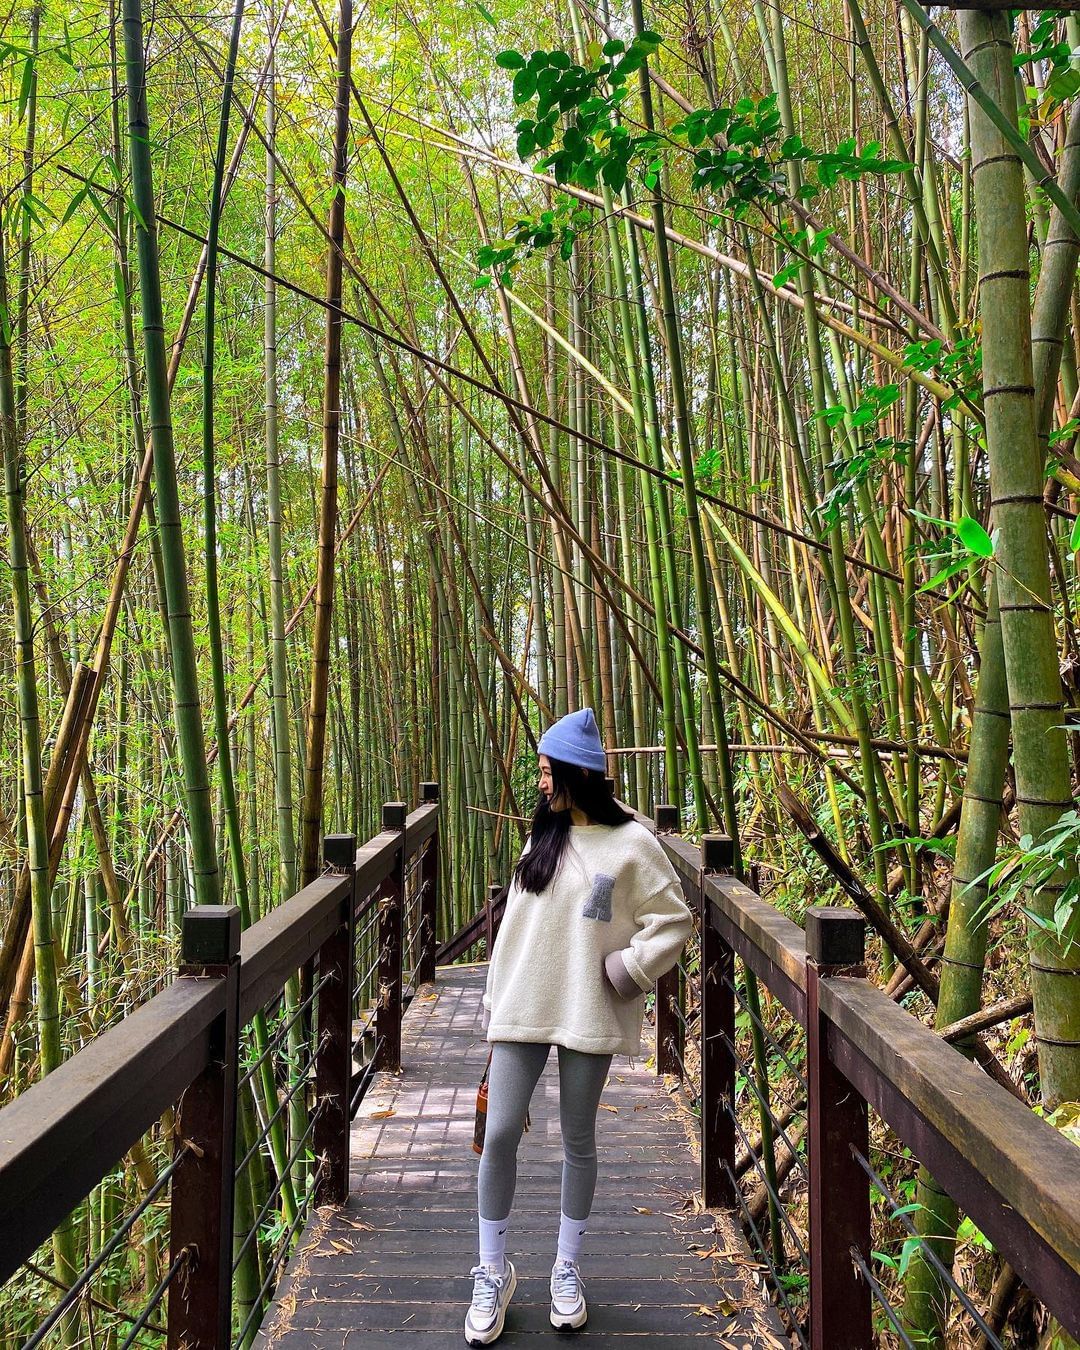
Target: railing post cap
{"points": [[835, 936], [609, 783], [339, 851], [494, 888], [393, 815], [429, 792], [666, 817], [210, 935], [717, 852]]}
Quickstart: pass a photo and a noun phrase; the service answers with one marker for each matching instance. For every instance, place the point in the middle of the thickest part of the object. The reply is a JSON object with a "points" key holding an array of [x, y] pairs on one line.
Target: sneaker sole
{"points": [[496, 1329], [568, 1321]]}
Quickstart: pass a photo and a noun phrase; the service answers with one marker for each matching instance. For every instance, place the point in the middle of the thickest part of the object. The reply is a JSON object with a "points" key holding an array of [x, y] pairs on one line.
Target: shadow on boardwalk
{"points": [[394, 1262]]}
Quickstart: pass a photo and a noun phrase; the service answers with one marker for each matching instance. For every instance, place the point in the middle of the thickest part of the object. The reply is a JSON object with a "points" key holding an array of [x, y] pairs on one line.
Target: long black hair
{"points": [[550, 833]]}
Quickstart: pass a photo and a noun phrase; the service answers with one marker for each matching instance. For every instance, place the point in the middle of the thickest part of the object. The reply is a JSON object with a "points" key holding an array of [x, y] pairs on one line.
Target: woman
{"points": [[594, 916]]}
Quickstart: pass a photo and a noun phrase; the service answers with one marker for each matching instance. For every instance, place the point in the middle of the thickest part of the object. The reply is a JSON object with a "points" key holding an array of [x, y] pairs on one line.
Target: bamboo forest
{"points": [[381, 382]]}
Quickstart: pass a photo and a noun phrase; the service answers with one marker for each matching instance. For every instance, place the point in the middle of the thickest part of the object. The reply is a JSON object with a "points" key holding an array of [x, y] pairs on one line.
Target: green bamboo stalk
{"points": [[182, 645], [311, 815], [927, 1297]]}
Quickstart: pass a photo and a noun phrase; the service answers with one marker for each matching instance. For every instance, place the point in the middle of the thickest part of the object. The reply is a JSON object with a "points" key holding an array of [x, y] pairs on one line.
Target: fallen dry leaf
{"points": [[607, 1107], [381, 1115], [639, 1210]]}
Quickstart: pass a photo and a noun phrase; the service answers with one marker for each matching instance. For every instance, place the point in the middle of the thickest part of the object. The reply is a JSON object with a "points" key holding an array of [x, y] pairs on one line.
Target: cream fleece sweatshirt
{"points": [[612, 918]]}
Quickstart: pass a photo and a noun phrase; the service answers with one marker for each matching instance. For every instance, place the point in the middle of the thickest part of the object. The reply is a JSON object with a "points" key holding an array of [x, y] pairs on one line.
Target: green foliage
{"points": [[974, 537], [810, 245], [530, 234], [871, 455], [1062, 80], [578, 131], [594, 144], [959, 366], [966, 542], [1032, 866], [851, 473], [968, 1232], [739, 171]]}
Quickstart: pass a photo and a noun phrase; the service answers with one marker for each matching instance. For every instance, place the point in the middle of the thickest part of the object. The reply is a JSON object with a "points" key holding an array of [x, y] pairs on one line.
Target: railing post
{"points": [[333, 1057], [429, 892], [201, 1221], [669, 1028], [391, 907], [719, 1187], [836, 1125]]}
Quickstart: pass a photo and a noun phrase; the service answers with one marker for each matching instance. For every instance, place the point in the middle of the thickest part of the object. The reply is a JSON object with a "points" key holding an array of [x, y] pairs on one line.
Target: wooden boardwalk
{"points": [[394, 1262]]}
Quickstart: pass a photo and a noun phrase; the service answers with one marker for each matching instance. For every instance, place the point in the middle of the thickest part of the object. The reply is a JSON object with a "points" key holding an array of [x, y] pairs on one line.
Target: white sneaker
{"points": [[568, 1309], [492, 1293]]}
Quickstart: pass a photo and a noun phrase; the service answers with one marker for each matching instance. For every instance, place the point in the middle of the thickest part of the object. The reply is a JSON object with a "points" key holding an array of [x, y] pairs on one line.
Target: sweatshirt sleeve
{"points": [[664, 921]]}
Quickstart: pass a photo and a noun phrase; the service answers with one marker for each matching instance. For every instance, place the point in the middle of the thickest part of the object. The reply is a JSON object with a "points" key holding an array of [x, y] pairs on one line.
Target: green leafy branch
{"points": [[575, 130], [1029, 868]]}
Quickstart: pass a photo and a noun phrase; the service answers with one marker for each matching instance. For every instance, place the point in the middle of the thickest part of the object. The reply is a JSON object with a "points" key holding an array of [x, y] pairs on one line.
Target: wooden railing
{"points": [[178, 1067]]}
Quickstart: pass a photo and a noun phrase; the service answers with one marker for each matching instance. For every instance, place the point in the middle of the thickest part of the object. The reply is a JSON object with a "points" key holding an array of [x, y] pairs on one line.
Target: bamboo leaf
{"points": [[25, 86], [974, 537]]}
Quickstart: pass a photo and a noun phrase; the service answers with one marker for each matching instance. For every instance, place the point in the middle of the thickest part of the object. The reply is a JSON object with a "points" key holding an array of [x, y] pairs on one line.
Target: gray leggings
{"points": [[516, 1067]]}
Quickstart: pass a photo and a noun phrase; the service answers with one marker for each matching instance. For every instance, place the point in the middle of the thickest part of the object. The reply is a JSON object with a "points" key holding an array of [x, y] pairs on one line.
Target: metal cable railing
{"points": [[915, 1241], [79, 1288], [772, 1206], [154, 1301]]}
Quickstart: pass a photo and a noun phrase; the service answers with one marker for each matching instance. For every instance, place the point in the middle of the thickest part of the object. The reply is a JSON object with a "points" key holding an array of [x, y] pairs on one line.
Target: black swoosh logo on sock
{"points": [[501, 1231]]}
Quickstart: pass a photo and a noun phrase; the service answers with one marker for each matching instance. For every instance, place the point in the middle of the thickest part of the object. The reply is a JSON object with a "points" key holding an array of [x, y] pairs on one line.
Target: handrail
{"points": [[67, 1132]]}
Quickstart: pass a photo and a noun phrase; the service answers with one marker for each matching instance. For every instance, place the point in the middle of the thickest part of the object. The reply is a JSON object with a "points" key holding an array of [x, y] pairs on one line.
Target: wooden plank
{"points": [[373, 1261], [768, 942], [526, 1238], [420, 825], [407, 1287], [612, 1209], [540, 1338], [278, 945], [528, 1311]]}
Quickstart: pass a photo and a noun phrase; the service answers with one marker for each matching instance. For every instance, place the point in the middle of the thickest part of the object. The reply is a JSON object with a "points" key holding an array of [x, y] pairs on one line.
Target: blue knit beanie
{"points": [[575, 740]]}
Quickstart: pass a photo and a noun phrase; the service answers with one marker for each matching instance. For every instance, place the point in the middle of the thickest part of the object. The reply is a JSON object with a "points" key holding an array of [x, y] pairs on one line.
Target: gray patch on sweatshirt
{"points": [[598, 905]]}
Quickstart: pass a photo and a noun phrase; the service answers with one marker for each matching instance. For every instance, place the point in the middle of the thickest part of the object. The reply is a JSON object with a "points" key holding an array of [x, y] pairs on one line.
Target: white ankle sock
{"points": [[493, 1242], [571, 1236]]}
